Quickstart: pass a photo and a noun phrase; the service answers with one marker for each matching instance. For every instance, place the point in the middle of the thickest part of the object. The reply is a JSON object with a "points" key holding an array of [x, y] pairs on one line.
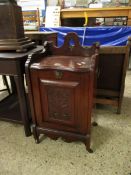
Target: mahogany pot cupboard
{"points": [[61, 86]]}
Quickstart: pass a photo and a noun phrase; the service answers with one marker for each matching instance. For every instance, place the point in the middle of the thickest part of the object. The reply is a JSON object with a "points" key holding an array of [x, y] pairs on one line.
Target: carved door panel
{"points": [[59, 102], [58, 105]]}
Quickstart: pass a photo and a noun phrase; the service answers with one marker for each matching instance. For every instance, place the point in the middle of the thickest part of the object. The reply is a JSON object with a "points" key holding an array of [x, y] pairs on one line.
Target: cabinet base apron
{"points": [[66, 136]]}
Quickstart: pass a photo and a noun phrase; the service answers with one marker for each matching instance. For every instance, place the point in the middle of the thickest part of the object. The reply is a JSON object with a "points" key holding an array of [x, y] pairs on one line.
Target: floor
{"points": [[111, 142]]}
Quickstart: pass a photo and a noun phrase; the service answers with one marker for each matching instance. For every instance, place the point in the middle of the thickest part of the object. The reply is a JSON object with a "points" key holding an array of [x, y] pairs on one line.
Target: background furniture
{"points": [[61, 89], [112, 67], [14, 107], [97, 12], [40, 37], [31, 20], [12, 31]]}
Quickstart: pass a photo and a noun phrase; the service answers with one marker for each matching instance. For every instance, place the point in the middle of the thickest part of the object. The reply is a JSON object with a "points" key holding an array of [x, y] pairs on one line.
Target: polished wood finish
{"points": [[61, 90], [14, 107], [41, 37], [11, 21], [112, 66], [12, 31], [97, 12]]}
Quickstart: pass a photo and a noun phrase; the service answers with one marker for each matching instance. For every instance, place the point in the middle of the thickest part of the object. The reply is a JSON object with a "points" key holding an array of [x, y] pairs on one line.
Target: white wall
{"points": [[31, 4]]}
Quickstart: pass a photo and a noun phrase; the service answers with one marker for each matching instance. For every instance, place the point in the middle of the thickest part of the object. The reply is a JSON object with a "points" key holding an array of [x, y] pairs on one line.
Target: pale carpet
{"points": [[111, 142]]}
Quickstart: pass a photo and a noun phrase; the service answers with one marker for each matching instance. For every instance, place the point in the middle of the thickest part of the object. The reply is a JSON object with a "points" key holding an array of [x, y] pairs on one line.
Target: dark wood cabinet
{"points": [[12, 36], [60, 101], [112, 67], [40, 37], [61, 90]]}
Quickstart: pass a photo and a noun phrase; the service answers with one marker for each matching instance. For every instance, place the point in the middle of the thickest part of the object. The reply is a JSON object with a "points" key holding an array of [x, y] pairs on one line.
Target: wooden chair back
{"points": [[32, 16]]}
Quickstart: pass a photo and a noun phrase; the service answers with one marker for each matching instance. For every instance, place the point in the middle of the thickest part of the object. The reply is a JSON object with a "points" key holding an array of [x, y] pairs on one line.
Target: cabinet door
{"points": [[59, 97], [58, 103]]}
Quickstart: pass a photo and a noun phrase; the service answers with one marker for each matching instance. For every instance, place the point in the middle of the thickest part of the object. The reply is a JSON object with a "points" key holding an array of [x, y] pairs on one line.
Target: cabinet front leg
{"points": [[94, 123], [35, 134], [119, 106], [87, 144]]}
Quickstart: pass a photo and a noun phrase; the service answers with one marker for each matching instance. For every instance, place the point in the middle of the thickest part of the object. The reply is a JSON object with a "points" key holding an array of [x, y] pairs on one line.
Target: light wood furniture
{"points": [[61, 89], [31, 19], [97, 12]]}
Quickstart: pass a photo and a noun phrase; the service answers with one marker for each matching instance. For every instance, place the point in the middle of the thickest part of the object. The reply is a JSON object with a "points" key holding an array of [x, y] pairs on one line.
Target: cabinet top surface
{"points": [[69, 63]]}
